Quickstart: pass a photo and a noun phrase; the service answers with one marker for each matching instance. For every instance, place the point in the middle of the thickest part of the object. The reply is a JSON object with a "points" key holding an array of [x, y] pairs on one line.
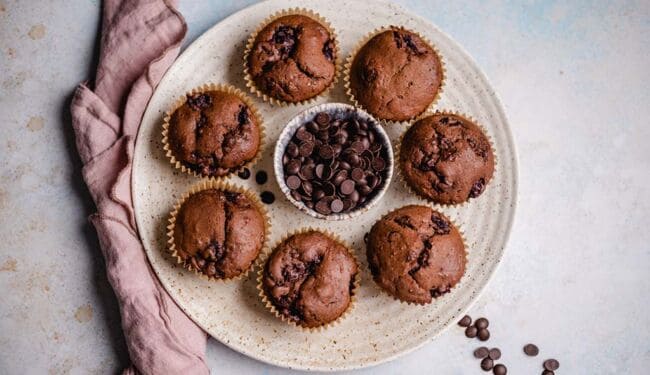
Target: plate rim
{"points": [[491, 272]]}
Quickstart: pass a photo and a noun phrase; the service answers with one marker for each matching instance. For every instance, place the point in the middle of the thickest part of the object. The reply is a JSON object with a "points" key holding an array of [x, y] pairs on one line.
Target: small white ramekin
{"points": [[335, 110]]}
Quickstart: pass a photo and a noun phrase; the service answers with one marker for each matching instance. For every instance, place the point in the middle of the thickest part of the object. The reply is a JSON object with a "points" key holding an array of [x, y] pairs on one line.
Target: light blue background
{"points": [[573, 77]]}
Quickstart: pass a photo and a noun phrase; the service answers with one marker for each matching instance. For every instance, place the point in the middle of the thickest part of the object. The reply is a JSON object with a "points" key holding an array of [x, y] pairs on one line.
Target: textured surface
{"points": [[232, 313], [574, 80]]}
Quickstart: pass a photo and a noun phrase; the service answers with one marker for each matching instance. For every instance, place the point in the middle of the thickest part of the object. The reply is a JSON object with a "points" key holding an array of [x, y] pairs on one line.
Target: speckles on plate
{"points": [[84, 313], [37, 31]]}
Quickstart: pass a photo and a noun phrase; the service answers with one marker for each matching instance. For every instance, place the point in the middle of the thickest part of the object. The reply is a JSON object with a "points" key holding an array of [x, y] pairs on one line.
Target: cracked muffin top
{"points": [[395, 75], [446, 158], [214, 133], [292, 59], [219, 233], [415, 254], [309, 279]]}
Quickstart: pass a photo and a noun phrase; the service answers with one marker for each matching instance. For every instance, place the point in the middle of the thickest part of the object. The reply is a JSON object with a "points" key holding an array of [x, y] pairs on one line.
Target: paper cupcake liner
{"points": [[460, 230], [348, 66], [198, 90], [302, 118], [251, 40], [223, 186], [398, 162], [261, 266]]}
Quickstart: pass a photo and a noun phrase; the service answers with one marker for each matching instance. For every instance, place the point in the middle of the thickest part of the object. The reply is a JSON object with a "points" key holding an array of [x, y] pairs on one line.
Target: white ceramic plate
{"points": [[379, 328]]}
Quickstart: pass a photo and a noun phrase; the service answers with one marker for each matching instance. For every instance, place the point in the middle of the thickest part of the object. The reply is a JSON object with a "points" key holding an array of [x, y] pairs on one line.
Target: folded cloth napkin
{"points": [[140, 40]]}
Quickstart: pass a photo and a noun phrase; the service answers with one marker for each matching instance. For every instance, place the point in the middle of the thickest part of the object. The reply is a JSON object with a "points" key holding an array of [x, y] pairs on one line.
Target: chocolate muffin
{"points": [[293, 58], [415, 254], [446, 158], [309, 279], [218, 233], [395, 75], [214, 133]]}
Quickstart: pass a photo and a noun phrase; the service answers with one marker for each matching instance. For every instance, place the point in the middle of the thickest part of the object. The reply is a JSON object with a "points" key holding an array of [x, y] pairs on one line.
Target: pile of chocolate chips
{"points": [[335, 165]]}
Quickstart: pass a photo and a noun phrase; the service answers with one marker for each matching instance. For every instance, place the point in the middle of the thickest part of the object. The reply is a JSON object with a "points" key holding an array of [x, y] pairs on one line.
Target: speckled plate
{"points": [[379, 328]]}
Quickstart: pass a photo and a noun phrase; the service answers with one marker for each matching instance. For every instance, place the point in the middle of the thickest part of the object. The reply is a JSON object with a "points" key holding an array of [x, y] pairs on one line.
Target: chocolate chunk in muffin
{"points": [[446, 158], [415, 254], [309, 279], [395, 75], [218, 233], [293, 58], [214, 133]]}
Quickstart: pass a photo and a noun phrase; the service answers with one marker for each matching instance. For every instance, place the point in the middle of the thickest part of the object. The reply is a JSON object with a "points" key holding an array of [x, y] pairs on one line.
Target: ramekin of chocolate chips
{"points": [[333, 161]]}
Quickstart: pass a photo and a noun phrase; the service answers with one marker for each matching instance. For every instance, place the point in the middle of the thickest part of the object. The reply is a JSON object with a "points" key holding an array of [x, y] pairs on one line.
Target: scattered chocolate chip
{"points": [[531, 350], [267, 197], [481, 323], [500, 369], [481, 352], [487, 364], [261, 177], [471, 332], [551, 364], [548, 372], [483, 334], [244, 174], [465, 321], [495, 354]]}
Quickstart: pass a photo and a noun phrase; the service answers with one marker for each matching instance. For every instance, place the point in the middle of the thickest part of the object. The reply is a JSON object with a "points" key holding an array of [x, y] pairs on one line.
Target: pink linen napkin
{"points": [[140, 40]]}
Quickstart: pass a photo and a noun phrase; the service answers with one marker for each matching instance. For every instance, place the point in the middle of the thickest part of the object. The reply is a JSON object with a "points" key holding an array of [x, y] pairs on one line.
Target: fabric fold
{"points": [[140, 40]]}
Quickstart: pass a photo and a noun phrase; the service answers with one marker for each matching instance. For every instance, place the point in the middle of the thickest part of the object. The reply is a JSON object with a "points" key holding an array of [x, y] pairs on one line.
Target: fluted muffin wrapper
{"points": [[398, 160], [461, 231], [348, 67], [222, 186], [261, 266], [250, 83], [199, 90], [302, 118]]}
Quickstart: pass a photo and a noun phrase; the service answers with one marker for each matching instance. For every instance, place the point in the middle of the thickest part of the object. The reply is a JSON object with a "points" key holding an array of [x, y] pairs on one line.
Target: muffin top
{"points": [[292, 59], [214, 133], [219, 233], [415, 254], [395, 75], [446, 158], [309, 279]]}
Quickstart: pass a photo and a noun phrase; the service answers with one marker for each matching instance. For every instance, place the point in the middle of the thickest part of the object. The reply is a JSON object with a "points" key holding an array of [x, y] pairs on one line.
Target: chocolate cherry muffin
{"points": [[292, 59], [214, 133], [396, 75], [415, 254], [309, 279], [446, 158], [218, 233]]}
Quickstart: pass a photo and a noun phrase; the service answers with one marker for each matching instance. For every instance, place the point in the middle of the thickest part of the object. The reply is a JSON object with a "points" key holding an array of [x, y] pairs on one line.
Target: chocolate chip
{"points": [[292, 167], [483, 334], [471, 332], [531, 350], [487, 364], [293, 182], [495, 353], [244, 174], [500, 369], [336, 205], [199, 101], [322, 206], [347, 187], [548, 372], [465, 321], [477, 188], [261, 177], [267, 197], [551, 364], [322, 119], [481, 352], [482, 323]]}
